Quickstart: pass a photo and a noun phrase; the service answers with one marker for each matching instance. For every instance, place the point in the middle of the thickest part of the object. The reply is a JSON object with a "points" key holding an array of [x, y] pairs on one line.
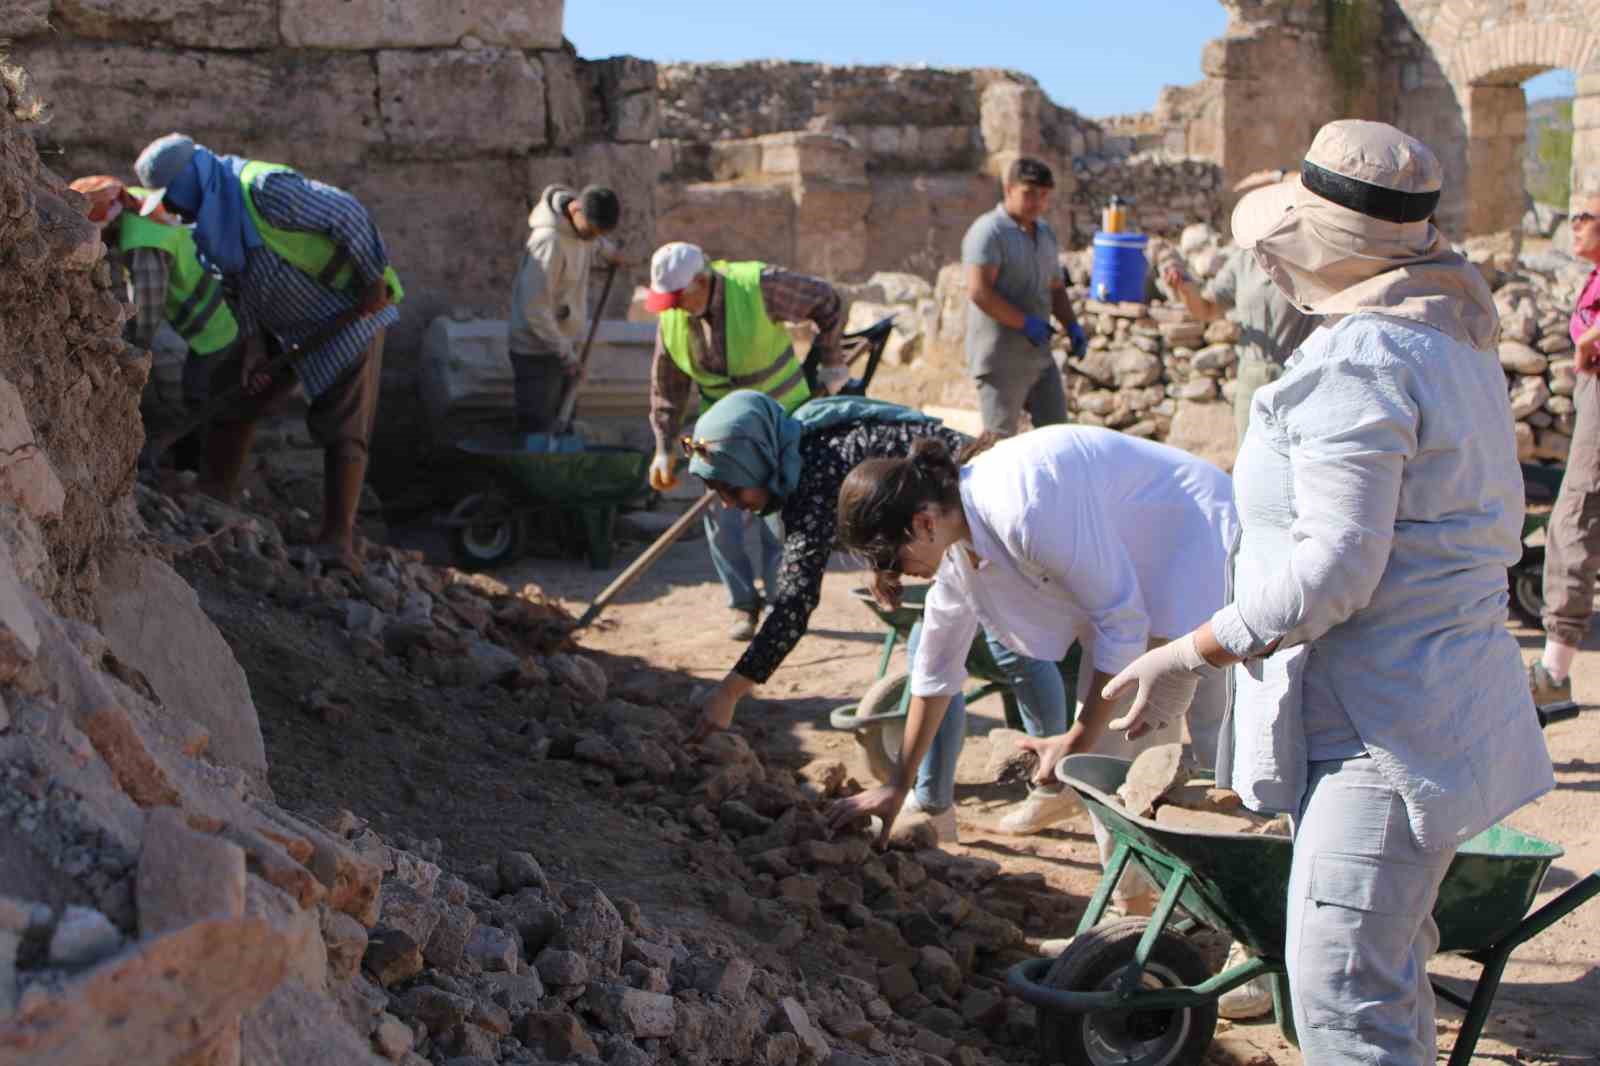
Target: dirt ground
{"points": [[1546, 1011], [456, 765]]}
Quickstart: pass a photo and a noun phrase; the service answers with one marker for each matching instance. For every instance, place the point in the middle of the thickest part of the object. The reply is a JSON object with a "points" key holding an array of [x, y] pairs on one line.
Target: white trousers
{"points": [[1361, 930]]}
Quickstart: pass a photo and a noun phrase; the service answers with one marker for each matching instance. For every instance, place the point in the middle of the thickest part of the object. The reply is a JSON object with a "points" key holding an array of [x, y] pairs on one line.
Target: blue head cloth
{"points": [[746, 440], [207, 190]]}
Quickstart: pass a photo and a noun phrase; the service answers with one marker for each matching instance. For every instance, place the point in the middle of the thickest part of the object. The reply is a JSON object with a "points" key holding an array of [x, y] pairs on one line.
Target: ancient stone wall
{"points": [[445, 120], [845, 171], [1447, 71]]}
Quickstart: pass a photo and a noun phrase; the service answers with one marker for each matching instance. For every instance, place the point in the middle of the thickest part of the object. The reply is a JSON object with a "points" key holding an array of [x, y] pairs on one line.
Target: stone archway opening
{"points": [[1500, 139]]}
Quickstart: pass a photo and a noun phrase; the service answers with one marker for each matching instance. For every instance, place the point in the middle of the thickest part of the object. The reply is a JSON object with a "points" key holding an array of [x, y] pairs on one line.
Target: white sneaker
{"points": [[1044, 807], [1251, 999]]}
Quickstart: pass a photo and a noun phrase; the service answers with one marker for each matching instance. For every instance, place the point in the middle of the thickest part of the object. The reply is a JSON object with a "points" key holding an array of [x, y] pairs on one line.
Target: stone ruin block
{"points": [[450, 103], [830, 229], [737, 221], [116, 97], [811, 155], [224, 24], [366, 24]]}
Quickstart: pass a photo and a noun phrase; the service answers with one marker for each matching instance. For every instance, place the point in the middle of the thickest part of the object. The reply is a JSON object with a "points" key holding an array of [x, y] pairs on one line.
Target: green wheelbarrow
{"points": [[507, 488], [1138, 991], [878, 720]]}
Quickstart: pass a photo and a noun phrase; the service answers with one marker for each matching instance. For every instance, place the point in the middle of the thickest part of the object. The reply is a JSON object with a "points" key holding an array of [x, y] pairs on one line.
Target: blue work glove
{"points": [[1037, 330], [1080, 341]]}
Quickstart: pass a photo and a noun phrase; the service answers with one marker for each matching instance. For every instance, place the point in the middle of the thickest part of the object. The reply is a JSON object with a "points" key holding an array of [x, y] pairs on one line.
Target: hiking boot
{"points": [[1045, 806], [1545, 688], [1251, 999], [744, 623]]}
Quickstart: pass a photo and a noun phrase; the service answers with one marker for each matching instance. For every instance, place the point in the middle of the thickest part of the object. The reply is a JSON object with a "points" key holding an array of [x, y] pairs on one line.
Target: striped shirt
{"points": [[274, 295], [789, 297]]}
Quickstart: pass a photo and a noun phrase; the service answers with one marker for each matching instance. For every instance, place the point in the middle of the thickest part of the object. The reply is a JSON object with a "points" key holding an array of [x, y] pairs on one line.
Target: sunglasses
{"points": [[691, 447], [1582, 218]]}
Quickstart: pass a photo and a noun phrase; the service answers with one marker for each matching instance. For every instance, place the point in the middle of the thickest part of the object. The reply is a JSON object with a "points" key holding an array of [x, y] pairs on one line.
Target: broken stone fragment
{"points": [[518, 870], [391, 956], [184, 875], [632, 1011], [83, 936], [791, 1017]]}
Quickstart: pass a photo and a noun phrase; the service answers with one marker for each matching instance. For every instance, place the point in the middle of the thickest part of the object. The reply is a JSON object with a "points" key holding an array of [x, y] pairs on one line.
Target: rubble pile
{"points": [[442, 625]]}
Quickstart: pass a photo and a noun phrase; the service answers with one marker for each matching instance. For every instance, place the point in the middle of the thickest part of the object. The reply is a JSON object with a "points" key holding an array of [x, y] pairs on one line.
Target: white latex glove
{"points": [[662, 477], [833, 378], [1166, 678]]}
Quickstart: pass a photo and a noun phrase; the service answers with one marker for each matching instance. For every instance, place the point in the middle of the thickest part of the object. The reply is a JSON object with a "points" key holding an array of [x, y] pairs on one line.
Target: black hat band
{"points": [[1390, 205]]}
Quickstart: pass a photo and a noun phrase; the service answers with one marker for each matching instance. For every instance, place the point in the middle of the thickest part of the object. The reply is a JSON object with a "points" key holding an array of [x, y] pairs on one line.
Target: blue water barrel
{"points": [[1119, 267]]}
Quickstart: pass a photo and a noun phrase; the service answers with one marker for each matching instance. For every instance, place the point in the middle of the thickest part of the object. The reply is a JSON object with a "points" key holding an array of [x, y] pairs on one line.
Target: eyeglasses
{"points": [[691, 447]]}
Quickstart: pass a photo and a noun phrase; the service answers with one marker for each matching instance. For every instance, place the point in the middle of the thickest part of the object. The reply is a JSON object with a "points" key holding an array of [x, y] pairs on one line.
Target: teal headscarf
{"points": [[746, 440]]}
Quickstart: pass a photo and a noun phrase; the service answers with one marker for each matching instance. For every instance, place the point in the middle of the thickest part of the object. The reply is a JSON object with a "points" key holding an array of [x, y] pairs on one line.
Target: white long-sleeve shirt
{"points": [[1079, 532], [1380, 503]]}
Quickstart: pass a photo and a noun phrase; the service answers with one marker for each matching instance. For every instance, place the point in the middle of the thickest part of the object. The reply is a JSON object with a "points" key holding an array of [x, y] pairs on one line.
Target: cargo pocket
{"points": [[1359, 922]]}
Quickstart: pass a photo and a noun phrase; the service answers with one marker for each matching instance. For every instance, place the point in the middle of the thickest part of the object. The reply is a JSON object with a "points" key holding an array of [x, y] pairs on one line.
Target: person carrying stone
{"points": [[167, 284], [305, 263], [1572, 542], [550, 297], [1014, 281], [720, 328], [1270, 327]]}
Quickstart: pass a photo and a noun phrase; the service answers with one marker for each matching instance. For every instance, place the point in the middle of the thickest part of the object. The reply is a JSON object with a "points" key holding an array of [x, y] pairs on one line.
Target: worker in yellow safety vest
{"points": [[720, 328], [166, 284]]}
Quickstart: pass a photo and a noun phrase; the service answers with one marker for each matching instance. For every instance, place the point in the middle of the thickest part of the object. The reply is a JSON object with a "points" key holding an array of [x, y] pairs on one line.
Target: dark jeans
{"points": [[537, 389]]}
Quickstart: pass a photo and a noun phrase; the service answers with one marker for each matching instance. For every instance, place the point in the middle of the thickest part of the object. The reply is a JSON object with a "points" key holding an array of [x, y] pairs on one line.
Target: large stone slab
{"points": [[185, 875], [236, 24], [366, 24], [27, 17], [161, 999], [453, 231], [116, 97], [445, 104], [736, 221], [153, 622], [830, 230]]}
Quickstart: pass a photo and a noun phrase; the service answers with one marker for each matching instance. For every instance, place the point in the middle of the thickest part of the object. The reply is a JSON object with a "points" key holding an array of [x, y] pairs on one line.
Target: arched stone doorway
{"points": [[1487, 49]]}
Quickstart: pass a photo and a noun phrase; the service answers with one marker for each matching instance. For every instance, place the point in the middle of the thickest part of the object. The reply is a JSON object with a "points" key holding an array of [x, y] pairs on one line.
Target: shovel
{"points": [[155, 447], [646, 560], [561, 437]]}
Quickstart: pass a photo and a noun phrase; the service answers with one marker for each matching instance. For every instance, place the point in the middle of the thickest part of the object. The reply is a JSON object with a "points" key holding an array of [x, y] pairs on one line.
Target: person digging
{"points": [[306, 264]]}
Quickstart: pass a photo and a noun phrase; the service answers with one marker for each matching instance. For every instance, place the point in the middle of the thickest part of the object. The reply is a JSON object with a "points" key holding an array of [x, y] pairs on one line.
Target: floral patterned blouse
{"points": [[809, 522]]}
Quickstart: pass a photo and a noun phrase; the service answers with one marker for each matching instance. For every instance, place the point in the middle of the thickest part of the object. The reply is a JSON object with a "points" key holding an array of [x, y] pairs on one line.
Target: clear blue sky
{"points": [[1098, 57]]}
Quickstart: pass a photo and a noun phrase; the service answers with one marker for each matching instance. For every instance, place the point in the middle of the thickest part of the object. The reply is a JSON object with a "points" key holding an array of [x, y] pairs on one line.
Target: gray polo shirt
{"points": [[1270, 327], [1028, 265]]}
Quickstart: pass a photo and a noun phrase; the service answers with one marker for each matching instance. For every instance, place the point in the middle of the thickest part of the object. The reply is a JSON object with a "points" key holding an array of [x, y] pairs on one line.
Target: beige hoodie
{"points": [[550, 299]]}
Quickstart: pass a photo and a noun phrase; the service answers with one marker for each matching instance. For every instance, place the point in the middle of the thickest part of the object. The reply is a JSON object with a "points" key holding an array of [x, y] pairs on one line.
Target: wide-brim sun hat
{"points": [[1355, 233]]}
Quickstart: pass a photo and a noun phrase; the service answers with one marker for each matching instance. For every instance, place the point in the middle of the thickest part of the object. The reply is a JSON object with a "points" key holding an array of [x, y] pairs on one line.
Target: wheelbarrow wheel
{"points": [[881, 742], [1526, 585], [1095, 961], [485, 531]]}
